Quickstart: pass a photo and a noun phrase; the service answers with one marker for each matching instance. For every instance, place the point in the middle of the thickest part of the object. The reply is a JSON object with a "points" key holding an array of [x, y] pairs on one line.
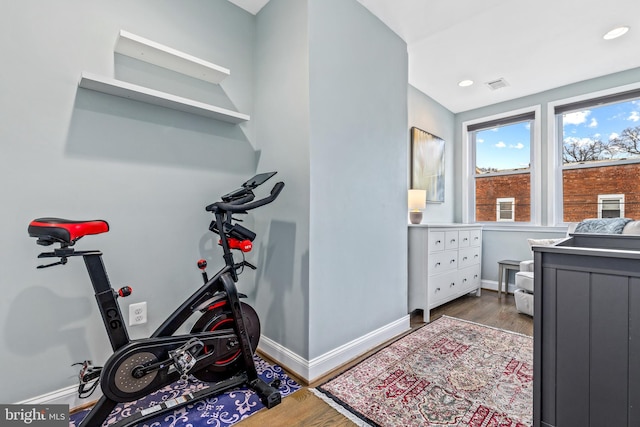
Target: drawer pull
{"points": [[475, 276], [464, 259], [464, 280], [437, 289], [452, 284], [475, 256], [453, 240], [452, 261], [465, 239], [438, 242], [437, 264]]}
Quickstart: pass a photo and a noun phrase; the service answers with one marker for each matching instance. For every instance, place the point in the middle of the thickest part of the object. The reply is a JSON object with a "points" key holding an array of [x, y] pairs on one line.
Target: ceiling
{"points": [[533, 46]]}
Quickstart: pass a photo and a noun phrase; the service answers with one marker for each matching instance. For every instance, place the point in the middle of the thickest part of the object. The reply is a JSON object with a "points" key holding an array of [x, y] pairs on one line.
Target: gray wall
{"points": [[425, 113], [358, 133], [282, 127], [512, 244], [339, 136], [75, 153]]}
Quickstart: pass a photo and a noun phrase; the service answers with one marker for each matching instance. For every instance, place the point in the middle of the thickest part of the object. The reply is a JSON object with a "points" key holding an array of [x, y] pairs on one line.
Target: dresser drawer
{"points": [[440, 262], [469, 256], [475, 237], [442, 288], [464, 238], [436, 241], [451, 240], [469, 278]]}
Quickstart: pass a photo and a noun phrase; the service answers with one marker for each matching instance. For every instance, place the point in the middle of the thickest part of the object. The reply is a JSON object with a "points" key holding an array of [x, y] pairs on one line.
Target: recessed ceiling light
{"points": [[465, 83], [615, 33]]}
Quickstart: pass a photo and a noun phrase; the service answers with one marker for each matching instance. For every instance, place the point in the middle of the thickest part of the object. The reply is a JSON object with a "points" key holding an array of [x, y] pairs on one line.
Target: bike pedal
{"points": [[184, 357], [91, 374]]}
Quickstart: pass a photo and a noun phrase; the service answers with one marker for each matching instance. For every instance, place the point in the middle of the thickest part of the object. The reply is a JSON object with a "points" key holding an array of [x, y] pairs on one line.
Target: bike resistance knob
{"points": [[202, 264], [125, 291]]}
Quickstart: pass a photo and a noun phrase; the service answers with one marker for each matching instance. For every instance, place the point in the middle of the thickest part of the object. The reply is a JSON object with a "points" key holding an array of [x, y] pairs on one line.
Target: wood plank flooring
{"points": [[303, 408]]}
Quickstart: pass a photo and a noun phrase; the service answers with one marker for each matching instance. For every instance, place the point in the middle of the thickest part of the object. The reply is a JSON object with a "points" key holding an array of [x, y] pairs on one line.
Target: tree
{"points": [[575, 150], [628, 141]]}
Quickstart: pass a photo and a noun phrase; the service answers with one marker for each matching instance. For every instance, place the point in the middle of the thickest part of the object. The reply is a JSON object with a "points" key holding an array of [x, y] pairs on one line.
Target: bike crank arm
{"points": [[185, 359]]}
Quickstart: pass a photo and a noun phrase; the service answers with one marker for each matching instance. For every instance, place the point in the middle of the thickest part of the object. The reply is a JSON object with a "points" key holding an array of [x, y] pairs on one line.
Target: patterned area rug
{"points": [[219, 411], [448, 373]]}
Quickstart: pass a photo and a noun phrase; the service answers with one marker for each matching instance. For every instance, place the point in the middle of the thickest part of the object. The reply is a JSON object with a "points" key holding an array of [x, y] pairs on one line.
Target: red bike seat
{"points": [[65, 230]]}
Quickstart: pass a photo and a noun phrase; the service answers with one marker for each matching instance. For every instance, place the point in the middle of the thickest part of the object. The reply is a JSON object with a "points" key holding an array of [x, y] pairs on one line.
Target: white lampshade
{"points": [[417, 199]]}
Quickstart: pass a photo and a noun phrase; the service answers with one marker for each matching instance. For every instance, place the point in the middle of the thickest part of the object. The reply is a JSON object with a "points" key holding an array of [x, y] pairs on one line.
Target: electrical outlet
{"points": [[138, 313]]}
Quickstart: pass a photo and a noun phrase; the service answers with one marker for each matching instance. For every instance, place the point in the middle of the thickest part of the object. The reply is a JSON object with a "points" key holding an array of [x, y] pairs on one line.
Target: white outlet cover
{"points": [[138, 313]]}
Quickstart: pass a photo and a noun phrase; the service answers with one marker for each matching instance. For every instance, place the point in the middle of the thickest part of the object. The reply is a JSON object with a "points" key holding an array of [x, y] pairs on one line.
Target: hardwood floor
{"points": [[303, 408], [488, 310]]}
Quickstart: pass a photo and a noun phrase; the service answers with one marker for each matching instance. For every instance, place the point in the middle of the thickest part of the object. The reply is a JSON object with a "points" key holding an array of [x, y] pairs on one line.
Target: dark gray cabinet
{"points": [[587, 332]]}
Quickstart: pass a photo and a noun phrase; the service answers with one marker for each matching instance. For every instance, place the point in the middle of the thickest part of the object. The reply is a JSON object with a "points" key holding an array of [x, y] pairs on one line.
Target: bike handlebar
{"points": [[245, 203]]}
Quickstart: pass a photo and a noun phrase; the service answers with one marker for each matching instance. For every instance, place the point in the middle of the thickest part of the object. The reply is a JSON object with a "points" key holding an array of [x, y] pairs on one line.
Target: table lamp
{"points": [[417, 203]]}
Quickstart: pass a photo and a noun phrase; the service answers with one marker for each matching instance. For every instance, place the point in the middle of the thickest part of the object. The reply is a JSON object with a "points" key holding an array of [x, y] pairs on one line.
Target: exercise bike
{"points": [[219, 348]]}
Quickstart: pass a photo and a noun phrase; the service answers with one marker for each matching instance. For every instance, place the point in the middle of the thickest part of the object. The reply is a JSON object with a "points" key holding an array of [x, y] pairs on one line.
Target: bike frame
{"points": [[220, 289], [222, 282]]}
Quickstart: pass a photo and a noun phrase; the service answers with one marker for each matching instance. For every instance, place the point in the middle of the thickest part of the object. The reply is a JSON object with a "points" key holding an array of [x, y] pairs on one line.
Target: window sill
{"points": [[514, 227]]}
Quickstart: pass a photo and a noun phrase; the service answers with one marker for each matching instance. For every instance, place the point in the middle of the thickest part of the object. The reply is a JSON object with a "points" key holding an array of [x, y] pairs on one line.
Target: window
{"points": [[611, 206], [500, 155], [505, 209], [599, 142]]}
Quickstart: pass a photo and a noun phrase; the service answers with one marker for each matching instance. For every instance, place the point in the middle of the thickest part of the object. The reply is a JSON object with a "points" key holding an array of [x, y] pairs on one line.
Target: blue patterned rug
{"points": [[219, 411]]}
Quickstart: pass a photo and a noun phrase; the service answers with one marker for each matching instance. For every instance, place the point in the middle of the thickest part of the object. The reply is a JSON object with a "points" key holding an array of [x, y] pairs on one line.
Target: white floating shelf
{"points": [[154, 53], [155, 97]]}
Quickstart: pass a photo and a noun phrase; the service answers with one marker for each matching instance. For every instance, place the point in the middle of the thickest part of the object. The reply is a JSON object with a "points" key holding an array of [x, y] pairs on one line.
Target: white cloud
{"points": [[501, 144], [593, 123], [634, 116], [518, 146], [479, 140], [614, 135], [576, 118], [579, 142]]}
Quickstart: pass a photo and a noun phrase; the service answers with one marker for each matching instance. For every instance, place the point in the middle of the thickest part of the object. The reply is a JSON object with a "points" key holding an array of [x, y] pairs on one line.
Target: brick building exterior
{"points": [[581, 187], [490, 188]]}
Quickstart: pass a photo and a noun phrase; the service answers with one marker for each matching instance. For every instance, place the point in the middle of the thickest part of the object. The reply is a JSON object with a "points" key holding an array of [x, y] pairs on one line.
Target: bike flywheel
{"points": [[229, 361]]}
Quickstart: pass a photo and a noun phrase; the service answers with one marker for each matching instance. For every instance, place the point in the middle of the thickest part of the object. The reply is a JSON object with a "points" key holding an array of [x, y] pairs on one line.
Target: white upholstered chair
{"points": [[523, 294]]}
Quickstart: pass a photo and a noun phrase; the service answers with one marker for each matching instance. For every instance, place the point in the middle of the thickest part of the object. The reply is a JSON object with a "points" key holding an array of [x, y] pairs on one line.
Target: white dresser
{"points": [[444, 263]]}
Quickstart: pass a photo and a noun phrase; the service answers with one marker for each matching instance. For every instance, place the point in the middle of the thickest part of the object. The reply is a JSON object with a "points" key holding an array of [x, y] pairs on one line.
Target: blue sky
{"points": [[506, 147], [509, 147], [601, 123]]}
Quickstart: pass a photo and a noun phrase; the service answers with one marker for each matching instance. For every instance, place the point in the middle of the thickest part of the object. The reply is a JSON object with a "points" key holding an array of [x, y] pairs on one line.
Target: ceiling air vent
{"points": [[497, 84]]}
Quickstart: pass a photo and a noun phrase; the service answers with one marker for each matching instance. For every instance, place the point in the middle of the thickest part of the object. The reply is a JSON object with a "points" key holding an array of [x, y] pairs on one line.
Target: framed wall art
{"points": [[427, 164]]}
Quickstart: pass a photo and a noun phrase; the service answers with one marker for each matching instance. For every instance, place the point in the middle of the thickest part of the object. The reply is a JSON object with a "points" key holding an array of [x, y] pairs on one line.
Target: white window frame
{"points": [[468, 162], [618, 197], [511, 200], [554, 200]]}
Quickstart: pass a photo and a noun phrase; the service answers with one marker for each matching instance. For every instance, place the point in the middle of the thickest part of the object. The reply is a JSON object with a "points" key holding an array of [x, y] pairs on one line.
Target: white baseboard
{"points": [[309, 370], [63, 396], [493, 286], [306, 369]]}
